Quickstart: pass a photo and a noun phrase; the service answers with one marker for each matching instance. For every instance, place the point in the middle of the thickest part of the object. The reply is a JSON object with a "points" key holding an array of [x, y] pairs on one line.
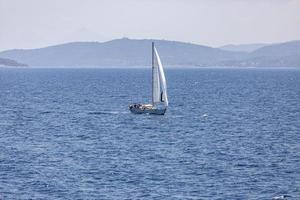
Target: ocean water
{"points": [[228, 134]]}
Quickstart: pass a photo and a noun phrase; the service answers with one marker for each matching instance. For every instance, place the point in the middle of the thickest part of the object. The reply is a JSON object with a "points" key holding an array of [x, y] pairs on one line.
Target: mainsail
{"points": [[159, 87]]}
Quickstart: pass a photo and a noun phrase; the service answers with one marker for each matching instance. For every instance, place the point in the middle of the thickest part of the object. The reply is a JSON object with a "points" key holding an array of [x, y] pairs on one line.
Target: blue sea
{"points": [[228, 134]]}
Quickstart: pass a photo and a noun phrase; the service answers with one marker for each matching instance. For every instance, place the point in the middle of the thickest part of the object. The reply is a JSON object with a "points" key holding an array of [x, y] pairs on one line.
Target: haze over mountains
{"points": [[137, 53], [243, 47]]}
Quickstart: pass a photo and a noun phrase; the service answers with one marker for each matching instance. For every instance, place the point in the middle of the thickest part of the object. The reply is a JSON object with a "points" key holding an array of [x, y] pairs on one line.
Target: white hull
{"points": [[146, 110]]}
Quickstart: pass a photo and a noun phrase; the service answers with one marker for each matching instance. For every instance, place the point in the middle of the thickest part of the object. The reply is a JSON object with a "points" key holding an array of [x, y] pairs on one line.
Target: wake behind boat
{"points": [[160, 102]]}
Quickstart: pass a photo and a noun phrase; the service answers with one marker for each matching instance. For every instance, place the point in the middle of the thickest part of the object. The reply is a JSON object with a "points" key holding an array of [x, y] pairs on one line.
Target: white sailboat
{"points": [[160, 102]]}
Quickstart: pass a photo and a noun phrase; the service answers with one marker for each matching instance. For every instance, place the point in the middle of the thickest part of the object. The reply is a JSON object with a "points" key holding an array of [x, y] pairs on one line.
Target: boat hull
{"points": [[147, 110]]}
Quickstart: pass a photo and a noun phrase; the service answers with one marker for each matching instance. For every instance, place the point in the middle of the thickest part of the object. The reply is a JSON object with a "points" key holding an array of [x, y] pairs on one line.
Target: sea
{"points": [[227, 134]]}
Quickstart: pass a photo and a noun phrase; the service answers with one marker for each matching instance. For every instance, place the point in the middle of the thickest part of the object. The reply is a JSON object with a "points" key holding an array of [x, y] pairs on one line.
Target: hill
{"points": [[278, 55], [120, 52], [128, 52], [10, 63], [243, 47]]}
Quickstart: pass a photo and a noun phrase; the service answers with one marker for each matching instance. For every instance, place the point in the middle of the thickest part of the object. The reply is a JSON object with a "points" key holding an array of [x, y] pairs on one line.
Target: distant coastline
{"points": [[131, 53], [4, 62]]}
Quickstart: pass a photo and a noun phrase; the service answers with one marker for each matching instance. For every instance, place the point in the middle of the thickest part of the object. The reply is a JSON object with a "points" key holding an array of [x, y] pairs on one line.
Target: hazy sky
{"points": [[39, 23]]}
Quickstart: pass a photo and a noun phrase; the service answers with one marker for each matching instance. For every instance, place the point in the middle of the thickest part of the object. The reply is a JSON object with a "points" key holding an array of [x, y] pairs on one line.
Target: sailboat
{"points": [[160, 102]]}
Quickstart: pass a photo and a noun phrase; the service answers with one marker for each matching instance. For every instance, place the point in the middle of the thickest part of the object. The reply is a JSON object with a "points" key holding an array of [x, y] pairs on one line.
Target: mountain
{"points": [[243, 47], [128, 52], [278, 55], [278, 50], [10, 63], [121, 52]]}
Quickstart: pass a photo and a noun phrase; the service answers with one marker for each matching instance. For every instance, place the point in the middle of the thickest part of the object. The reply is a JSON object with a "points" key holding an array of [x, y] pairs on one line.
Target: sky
{"points": [[38, 23]]}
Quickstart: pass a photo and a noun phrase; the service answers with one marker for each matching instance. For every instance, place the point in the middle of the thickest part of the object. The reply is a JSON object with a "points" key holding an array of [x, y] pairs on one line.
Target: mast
{"points": [[152, 73]]}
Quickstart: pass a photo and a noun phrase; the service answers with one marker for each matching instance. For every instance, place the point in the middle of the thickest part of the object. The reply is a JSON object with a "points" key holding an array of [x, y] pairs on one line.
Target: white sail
{"points": [[155, 80], [162, 91]]}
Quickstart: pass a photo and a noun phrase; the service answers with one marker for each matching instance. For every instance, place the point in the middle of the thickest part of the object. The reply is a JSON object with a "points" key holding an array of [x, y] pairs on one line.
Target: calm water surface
{"points": [[228, 134]]}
